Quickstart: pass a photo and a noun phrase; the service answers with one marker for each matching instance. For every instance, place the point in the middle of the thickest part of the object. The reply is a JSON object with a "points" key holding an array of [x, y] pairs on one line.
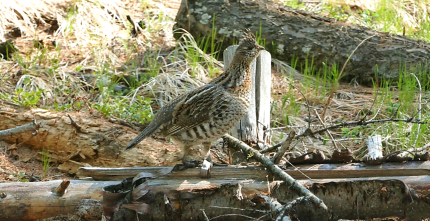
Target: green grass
{"points": [[46, 160], [393, 100], [393, 16]]}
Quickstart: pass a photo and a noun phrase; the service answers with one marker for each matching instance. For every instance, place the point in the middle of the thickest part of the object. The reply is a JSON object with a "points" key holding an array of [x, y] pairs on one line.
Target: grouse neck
{"points": [[237, 74]]}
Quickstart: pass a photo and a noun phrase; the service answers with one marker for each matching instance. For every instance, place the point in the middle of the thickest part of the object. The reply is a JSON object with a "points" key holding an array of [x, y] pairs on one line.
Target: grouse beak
{"points": [[260, 48]]}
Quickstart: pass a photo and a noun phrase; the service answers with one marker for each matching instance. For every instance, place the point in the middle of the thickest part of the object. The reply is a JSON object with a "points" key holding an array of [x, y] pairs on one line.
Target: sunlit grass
{"points": [[410, 18]]}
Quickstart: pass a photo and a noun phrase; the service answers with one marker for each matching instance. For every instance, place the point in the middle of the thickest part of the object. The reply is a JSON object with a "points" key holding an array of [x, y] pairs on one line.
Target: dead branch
{"points": [[182, 193], [284, 147], [302, 191], [75, 125], [20, 129], [362, 123], [40, 200]]}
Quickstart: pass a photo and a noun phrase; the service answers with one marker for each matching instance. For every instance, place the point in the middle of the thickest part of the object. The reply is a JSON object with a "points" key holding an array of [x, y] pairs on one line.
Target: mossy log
{"points": [[291, 33]]}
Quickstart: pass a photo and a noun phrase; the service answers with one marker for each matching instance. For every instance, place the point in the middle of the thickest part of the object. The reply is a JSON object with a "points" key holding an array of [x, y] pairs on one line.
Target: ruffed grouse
{"points": [[206, 113]]}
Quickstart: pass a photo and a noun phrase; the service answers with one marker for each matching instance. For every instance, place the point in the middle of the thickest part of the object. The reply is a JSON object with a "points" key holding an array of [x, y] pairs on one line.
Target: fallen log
{"points": [[40, 200], [290, 33], [315, 171], [77, 139], [181, 196]]}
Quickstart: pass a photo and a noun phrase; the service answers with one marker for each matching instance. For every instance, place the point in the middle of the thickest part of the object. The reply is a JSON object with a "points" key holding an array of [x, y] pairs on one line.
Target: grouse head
{"points": [[248, 47]]}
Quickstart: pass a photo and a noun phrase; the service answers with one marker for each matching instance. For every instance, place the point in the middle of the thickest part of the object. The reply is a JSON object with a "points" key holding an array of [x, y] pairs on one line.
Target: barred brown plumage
{"points": [[206, 113]]}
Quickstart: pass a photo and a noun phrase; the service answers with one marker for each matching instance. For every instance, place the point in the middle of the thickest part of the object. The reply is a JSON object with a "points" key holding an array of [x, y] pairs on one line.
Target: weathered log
{"points": [[33, 126], [39, 200], [290, 32], [98, 142], [182, 196], [314, 171]]}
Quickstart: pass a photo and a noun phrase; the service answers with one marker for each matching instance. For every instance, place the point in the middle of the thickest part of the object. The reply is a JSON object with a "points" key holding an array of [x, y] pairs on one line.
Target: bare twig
{"points": [[204, 215], [284, 148], [363, 123], [328, 131], [239, 209], [232, 215], [84, 100], [301, 190], [298, 169], [371, 107], [272, 148], [427, 145], [75, 125], [379, 109], [419, 110], [287, 207], [20, 129]]}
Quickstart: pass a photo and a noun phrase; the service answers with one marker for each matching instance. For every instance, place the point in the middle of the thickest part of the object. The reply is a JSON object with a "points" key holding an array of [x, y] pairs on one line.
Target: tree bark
{"points": [[292, 33], [39, 200], [180, 195], [91, 141]]}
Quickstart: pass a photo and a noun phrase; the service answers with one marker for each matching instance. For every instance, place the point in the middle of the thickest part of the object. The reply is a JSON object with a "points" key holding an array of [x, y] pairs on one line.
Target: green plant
{"points": [[118, 106], [258, 37], [46, 160], [211, 45], [24, 98], [21, 177]]}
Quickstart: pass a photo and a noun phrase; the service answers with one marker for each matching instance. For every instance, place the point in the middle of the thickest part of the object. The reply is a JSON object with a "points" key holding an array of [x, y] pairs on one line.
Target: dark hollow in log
{"points": [[290, 32]]}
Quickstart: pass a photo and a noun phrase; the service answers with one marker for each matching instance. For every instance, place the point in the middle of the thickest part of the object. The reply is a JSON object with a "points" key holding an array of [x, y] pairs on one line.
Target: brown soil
{"points": [[22, 164]]}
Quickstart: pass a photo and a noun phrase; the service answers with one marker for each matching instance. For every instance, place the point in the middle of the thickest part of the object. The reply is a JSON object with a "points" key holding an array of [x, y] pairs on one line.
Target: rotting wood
{"points": [[100, 144], [314, 171], [363, 198], [284, 147], [39, 200], [33, 126], [291, 33]]}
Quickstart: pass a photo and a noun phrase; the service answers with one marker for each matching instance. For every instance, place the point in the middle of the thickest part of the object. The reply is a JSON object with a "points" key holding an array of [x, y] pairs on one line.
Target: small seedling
{"points": [[46, 160]]}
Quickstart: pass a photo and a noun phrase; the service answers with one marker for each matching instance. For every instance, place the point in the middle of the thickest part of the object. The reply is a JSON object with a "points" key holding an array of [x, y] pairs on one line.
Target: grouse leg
{"points": [[186, 164], [205, 170]]}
